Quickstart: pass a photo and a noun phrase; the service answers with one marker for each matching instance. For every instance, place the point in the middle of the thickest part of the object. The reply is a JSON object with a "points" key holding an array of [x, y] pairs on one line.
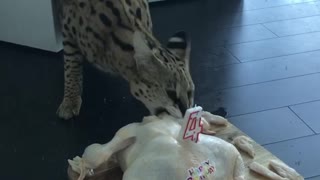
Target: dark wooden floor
{"points": [[258, 59]]}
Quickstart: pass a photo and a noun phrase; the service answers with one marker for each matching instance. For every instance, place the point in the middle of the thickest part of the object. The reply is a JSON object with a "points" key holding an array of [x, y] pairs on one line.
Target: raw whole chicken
{"points": [[153, 150]]}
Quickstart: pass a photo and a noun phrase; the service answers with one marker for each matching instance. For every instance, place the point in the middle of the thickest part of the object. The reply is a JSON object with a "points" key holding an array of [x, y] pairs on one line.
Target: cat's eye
{"points": [[190, 94], [172, 95]]}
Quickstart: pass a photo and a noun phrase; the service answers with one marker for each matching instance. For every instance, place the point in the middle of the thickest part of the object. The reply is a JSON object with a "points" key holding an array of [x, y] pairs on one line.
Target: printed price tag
{"points": [[193, 125]]}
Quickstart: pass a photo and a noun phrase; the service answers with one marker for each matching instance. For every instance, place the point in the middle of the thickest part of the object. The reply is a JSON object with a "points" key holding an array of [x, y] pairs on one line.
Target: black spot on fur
{"points": [[71, 53], [82, 4], [131, 12], [105, 20], [174, 74], [78, 65], [69, 20], [137, 94], [67, 43], [96, 35], [70, 35], [116, 12], [82, 43], [66, 27], [124, 46], [88, 29], [128, 2], [85, 53], [141, 92], [138, 13], [73, 30], [80, 21], [92, 11], [109, 4]]}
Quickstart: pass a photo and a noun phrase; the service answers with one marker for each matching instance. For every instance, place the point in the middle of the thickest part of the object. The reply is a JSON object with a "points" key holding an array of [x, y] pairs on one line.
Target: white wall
{"points": [[29, 23]]}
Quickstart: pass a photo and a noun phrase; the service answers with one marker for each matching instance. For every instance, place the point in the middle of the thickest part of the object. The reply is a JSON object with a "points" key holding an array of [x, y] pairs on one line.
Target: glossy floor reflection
{"points": [[257, 59]]}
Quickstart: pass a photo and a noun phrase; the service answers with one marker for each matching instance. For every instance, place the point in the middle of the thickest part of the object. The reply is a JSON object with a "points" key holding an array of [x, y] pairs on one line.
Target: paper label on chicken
{"points": [[192, 124], [203, 171]]}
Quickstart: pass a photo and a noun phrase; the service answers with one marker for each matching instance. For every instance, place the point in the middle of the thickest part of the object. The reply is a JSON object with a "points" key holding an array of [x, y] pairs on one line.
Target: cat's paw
{"points": [[69, 108]]}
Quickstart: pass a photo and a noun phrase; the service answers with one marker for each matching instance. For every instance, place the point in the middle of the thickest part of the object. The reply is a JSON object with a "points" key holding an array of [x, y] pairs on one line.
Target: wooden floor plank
{"points": [[264, 15], [301, 154], [295, 26], [260, 97], [260, 4], [253, 72], [260, 126], [241, 34], [309, 113], [276, 47]]}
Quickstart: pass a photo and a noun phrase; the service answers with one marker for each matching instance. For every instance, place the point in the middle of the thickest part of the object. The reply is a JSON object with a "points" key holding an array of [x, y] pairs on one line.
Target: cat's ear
{"points": [[180, 44]]}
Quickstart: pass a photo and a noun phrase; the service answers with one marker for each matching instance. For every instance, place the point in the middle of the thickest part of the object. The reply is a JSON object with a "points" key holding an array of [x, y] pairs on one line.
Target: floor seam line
{"points": [[289, 107], [291, 139], [270, 109]]}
